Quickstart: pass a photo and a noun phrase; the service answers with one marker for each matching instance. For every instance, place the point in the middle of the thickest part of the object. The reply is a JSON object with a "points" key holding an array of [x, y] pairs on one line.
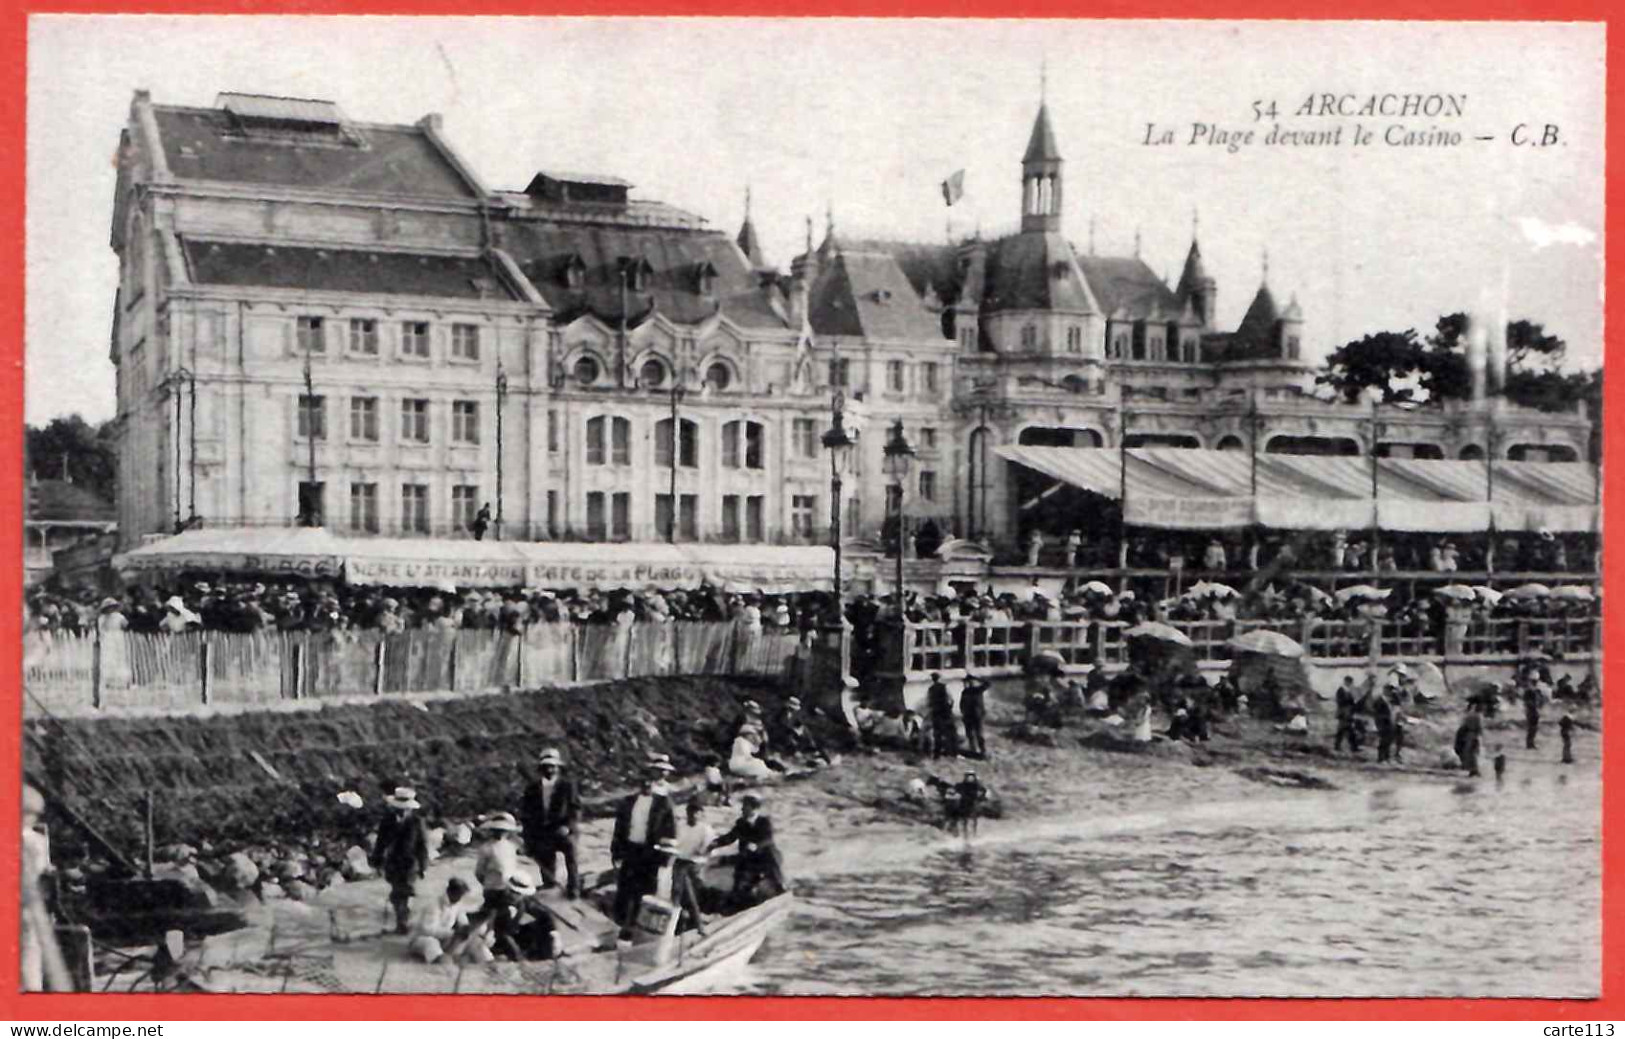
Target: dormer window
{"points": [[1292, 348], [636, 271], [705, 274], [575, 271], [1029, 337]]}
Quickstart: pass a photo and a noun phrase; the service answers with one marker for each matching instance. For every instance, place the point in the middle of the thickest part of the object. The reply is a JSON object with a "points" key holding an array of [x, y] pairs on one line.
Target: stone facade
{"points": [[273, 251]]}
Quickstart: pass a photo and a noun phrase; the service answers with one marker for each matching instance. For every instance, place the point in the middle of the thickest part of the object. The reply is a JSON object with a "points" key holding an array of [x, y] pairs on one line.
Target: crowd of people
{"points": [[500, 909]]}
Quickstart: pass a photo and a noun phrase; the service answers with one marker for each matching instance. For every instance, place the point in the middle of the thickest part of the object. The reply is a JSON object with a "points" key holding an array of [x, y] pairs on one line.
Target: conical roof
{"points": [[1041, 146], [1194, 274], [1261, 316], [749, 244]]}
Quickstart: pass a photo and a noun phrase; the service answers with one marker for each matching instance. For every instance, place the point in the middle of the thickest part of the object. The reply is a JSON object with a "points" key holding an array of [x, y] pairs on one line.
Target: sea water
{"points": [[1411, 888]]}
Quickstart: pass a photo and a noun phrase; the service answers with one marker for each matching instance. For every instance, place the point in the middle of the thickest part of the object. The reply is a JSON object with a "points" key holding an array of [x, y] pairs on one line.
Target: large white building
{"points": [[324, 316]]}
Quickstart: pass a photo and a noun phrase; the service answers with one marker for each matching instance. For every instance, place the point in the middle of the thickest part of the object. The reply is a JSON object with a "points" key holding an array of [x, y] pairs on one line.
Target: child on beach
{"points": [[1500, 763]]}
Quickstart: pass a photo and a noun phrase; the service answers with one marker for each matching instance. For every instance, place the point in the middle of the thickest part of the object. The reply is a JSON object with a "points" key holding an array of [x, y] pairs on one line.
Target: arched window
{"points": [[1231, 443], [1472, 453], [688, 444], [609, 440], [1029, 337], [586, 370], [743, 445], [652, 375], [719, 376]]}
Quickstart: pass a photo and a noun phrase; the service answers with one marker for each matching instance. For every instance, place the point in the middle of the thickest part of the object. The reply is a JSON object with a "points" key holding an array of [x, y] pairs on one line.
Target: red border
{"points": [[13, 86]]}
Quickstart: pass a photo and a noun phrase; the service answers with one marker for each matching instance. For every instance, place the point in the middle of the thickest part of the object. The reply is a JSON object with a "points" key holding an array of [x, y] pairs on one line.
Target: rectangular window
{"points": [[928, 438], [928, 376], [840, 372], [755, 529], [853, 515], [364, 419], [312, 417], [364, 507], [894, 376], [928, 485], [552, 432], [1138, 347], [415, 508], [754, 445], [465, 422], [967, 337], [363, 336], [803, 507], [688, 453], [1156, 352], [313, 502], [730, 445], [1074, 340], [465, 342], [414, 339], [730, 517], [597, 528], [552, 514], [312, 335], [620, 442], [804, 435], [688, 512], [620, 508], [415, 421], [595, 441], [464, 505]]}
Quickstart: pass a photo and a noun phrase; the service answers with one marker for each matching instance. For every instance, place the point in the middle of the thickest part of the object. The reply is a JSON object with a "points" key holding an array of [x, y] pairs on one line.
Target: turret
{"points": [[1041, 178], [1198, 287]]}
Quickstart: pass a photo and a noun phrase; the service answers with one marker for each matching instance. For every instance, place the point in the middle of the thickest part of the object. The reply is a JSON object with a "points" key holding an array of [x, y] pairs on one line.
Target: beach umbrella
{"points": [[1316, 595], [1456, 591], [1360, 591], [1158, 632], [1211, 590], [1529, 591], [1572, 591], [1271, 642], [1430, 684], [1045, 662], [1098, 588], [1489, 595]]}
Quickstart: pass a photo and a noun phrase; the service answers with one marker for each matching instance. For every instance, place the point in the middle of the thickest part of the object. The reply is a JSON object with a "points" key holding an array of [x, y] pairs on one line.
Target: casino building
{"points": [[338, 321]]}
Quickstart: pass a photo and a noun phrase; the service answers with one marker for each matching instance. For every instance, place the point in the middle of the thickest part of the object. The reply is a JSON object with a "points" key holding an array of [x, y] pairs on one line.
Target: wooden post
{"points": [[203, 666], [96, 671], [299, 669], [519, 657], [149, 832], [1523, 639], [676, 647], [378, 665], [451, 663], [626, 632], [575, 651]]}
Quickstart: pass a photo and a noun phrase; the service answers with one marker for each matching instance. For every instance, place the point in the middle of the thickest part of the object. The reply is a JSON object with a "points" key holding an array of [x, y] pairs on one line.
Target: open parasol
{"points": [[1045, 662], [1158, 632], [1529, 591], [1271, 642], [1360, 591], [1211, 590], [1456, 591], [1576, 592], [1098, 588], [1489, 595]]}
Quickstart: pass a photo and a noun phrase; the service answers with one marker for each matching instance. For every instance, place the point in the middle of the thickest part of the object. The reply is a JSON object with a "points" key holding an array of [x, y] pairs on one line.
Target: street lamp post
{"points": [[678, 392], [502, 394], [308, 506], [900, 458], [839, 443]]}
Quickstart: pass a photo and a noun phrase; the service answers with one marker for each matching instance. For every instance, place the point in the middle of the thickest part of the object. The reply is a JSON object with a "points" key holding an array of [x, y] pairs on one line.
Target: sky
{"points": [[863, 119]]}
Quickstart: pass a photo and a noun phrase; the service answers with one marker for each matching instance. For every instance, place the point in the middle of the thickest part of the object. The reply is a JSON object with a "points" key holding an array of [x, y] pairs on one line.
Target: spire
{"points": [[1041, 146], [1091, 235], [1136, 243], [1043, 79], [749, 244], [1264, 277], [809, 234], [1194, 274]]}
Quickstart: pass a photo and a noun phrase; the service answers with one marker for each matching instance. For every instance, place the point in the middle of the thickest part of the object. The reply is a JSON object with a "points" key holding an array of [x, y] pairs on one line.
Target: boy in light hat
{"points": [[550, 812], [401, 852]]}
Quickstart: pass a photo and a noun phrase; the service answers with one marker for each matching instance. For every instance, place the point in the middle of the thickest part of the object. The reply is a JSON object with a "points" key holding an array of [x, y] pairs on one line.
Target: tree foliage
{"points": [[69, 447], [1382, 361]]}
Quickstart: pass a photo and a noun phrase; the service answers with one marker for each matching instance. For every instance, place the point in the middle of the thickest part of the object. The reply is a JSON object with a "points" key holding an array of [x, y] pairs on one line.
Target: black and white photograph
{"points": [[812, 507]]}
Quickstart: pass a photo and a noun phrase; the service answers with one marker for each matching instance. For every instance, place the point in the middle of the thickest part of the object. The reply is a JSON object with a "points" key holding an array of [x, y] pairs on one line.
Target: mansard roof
{"points": [[346, 270], [372, 158], [542, 249], [863, 293], [1125, 284]]}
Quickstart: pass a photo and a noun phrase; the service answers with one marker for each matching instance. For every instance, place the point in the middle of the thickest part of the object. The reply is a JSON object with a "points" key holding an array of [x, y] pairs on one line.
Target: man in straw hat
{"points": [[641, 821], [498, 859], [401, 852], [549, 812]]}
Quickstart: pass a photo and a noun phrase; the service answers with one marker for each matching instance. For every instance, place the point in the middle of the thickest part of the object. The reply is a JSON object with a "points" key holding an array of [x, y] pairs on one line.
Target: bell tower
{"points": [[1041, 177]]}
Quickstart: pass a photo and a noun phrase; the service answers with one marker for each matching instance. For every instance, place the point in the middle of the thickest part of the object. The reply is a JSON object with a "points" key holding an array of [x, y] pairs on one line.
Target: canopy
{"points": [[1183, 488], [289, 551], [424, 562]]}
